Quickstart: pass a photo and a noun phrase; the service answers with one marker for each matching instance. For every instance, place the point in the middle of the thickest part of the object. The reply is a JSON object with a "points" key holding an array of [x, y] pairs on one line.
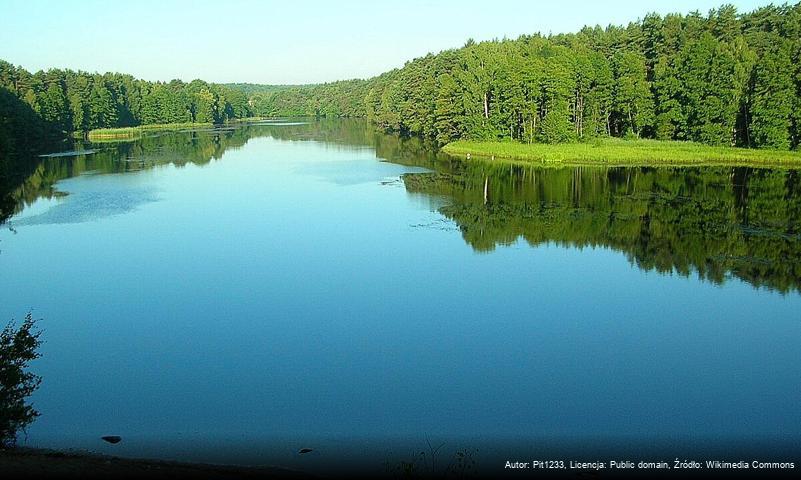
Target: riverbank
{"points": [[618, 152], [39, 463]]}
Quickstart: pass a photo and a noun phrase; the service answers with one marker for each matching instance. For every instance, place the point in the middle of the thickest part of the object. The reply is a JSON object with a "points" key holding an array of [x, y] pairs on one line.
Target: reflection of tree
{"points": [[24, 177], [358, 133], [713, 221], [22, 131], [197, 147]]}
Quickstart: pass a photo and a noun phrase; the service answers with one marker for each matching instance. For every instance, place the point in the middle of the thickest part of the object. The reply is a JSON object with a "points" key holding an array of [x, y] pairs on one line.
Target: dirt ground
{"points": [[35, 463]]}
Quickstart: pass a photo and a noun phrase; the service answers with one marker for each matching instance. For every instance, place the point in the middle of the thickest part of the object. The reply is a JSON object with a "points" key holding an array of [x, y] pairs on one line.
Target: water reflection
{"points": [[716, 222], [26, 179], [233, 305]]}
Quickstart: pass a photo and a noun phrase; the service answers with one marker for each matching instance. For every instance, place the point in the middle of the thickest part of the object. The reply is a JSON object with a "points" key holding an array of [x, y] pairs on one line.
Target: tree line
{"points": [[81, 101], [721, 79], [51, 103]]}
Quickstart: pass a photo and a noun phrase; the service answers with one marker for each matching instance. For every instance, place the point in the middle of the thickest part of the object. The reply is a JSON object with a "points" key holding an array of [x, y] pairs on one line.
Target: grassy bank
{"points": [[134, 132], [613, 151]]}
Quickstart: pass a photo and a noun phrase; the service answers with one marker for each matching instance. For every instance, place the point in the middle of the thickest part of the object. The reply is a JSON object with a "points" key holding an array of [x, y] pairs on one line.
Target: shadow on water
{"points": [[716, 222]]}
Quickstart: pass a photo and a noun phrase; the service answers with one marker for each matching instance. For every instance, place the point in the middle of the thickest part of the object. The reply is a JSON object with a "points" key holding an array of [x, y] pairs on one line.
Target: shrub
{"points": [[17, 348]]}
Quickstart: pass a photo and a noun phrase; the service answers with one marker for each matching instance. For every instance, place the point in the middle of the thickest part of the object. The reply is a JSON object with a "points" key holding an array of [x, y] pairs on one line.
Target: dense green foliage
{"points": [[720, 79], [18, 346], [251, 89], [38, 110], [69, 101], [337, 99], [21, 129]]}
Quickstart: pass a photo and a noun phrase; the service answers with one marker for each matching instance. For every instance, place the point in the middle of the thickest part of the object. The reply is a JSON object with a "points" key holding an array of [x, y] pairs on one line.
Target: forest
{"points": [[723, 78], [50, 104]]}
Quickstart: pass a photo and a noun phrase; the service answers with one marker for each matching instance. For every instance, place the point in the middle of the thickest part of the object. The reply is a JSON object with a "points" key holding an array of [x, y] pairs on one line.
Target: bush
{"points": [[556, 128], [17, 348]]}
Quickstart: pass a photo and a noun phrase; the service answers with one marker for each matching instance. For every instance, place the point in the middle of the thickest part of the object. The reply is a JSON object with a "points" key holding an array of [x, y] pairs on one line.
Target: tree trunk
{"points": [[531, 131], [747, 129]]}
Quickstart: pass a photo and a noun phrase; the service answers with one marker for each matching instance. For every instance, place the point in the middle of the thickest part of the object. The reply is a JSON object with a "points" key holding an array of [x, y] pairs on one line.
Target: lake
{"points": [[235, 294]]}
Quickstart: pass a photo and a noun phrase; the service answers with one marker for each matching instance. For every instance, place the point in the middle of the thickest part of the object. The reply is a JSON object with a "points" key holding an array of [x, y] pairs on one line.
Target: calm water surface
{"points": [[234, 295]]}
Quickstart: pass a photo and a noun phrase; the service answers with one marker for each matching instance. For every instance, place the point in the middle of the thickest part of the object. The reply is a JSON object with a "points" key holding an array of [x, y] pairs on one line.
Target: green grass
{"points": [[614, 152], [135, 132]]}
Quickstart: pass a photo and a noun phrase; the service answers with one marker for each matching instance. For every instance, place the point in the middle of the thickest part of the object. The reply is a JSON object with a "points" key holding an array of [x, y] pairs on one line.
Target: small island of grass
{"points": [[100, 134], [618, 152]]}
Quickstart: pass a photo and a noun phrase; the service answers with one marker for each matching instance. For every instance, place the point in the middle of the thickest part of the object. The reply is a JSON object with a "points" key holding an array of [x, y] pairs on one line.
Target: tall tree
{"points": [[633, 104], [772, 96]]}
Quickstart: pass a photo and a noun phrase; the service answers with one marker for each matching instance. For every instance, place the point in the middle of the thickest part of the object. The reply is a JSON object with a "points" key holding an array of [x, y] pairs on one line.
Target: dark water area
{"points": [[234, 295]]}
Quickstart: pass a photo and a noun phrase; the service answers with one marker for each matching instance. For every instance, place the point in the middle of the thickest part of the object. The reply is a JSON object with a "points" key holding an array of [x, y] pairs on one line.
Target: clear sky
{"points": [[301, 41]]}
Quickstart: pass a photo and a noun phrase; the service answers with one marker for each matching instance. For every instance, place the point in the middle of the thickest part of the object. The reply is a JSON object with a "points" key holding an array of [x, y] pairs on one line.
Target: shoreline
{"points": [[611, 152], [25, 462]]}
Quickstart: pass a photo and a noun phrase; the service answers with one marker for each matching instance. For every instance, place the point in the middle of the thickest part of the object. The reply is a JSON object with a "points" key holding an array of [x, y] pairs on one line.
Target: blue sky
{"points": [[300, 41]]}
